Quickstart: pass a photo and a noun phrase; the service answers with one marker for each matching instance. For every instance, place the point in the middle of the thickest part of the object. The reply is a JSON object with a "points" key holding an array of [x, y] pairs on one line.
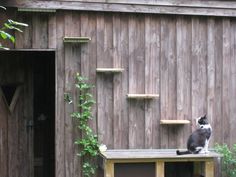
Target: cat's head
{"points": [[202, 121]]}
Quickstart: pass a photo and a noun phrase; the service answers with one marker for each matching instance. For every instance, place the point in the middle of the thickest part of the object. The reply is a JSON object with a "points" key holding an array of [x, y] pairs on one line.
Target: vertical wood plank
{"points": [[152, 64], [183, 76], [72, 65], [136, 80], [24, 40], [199, 70], [209, 168], [3, 136], [105, 81], [168, 80], [226, 80], [40, 31], [52, 31], [60, 121], [211, 71], [120, 82], [109, 169], [160, 169], [217, 123], [233, 81]]}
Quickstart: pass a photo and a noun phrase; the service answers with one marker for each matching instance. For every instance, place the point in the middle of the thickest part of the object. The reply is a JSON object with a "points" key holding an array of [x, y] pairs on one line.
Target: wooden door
{"points": [[16, 120]]}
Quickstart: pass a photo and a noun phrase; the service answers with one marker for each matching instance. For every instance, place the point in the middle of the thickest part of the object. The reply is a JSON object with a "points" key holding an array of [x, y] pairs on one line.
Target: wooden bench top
{"points": [[154, 154]]}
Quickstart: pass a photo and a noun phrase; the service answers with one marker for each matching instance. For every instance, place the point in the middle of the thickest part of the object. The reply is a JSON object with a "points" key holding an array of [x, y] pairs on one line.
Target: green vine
{"points": [[9, 25], [88, 143], [229, 159]]}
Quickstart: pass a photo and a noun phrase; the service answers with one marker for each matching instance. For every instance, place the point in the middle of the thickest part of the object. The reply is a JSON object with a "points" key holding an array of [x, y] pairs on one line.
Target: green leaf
{"points": [[6, 35]]}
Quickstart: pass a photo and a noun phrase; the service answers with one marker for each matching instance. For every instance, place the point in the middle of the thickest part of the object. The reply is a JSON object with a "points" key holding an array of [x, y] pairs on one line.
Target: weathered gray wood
{"points": [[211, 70], [233, 82], [52, 32], [60, 121], [168, 81], [72, 65], [218, 81], [214, 8], [40, 31], [199, 70], [183, 49], [152, 111], [153, 154], [120, 81], [104, 81], [226, 80], [136, 81]]}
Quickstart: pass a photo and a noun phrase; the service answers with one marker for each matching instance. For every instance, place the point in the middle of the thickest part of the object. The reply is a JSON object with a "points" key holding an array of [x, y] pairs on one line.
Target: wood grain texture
{"points": [[168, 81], [233, 80], [3, 135], [120, 81], [136, 81], [72, 66], [183, 52], [105, 82], [60, 109], [211, 69], [40, 31], [152, 77], [189, 61], [199, 69], [226, 80], [201, 8]]}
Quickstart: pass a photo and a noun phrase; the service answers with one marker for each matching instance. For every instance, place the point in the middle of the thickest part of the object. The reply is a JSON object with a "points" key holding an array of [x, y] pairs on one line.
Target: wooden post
{"points": [[196, 168], [160, 169], [109, 169], [209, 168]]}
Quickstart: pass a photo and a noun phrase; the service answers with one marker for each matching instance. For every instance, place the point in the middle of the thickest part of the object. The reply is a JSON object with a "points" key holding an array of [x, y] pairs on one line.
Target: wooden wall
{"points": [[190, 61]]}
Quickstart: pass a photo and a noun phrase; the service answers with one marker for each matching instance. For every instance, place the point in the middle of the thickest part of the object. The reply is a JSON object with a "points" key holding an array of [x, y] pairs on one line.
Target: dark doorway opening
{"points": [[44, 114], [30, 128]]}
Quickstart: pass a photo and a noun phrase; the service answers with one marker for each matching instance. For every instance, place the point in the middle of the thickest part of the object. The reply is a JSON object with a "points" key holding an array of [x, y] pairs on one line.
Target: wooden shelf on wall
{"points": [[67, 39], [142, 96], [109, 70], [174, 122]]}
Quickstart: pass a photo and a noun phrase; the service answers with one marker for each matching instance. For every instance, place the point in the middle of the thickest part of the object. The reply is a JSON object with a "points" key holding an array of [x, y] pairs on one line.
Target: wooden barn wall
{"points": [[190, 61]]}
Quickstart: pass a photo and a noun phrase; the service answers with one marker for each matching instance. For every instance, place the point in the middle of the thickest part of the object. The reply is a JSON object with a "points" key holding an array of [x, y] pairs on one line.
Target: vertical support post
{"points": [[160, 168], [109, 169], [196, 168], [209, 168]]}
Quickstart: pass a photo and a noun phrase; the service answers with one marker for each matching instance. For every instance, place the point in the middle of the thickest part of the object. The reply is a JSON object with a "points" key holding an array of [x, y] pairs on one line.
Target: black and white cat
{"points": [[198, 141]]}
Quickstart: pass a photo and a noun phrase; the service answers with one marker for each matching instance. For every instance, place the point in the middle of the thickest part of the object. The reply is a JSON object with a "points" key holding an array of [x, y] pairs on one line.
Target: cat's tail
{"points": [[182, 152]]}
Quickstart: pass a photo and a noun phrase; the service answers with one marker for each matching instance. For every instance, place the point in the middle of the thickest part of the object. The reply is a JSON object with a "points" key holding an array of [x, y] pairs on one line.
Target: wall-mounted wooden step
{"points": [[67, 39], [142, 96], [109, 70], [174, 122], [36, 10]]}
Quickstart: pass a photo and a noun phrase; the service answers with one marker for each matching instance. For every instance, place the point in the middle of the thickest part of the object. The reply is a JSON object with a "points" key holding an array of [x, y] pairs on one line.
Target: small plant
{"points": [[9, 25], [229, 159], [89, 146]]}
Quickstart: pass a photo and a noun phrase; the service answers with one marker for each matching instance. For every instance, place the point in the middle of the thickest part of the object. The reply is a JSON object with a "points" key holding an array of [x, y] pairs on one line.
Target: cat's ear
{"points": [[205, 116]]}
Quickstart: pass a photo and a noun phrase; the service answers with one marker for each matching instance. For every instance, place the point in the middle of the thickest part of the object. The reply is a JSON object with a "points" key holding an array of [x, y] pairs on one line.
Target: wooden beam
{"points": [[209, 169], [76, 39], [36, 10], [109, 70], [160, 169], [201, 8], [174, 122], [142, 96]]}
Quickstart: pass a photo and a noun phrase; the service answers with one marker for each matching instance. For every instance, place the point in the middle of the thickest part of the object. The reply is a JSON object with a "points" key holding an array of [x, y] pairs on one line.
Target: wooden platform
{"points": [[159, 157]]}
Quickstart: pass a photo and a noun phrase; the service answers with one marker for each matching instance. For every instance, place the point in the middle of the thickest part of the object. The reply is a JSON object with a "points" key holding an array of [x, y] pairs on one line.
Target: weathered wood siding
{"points": [[189, 61]]}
